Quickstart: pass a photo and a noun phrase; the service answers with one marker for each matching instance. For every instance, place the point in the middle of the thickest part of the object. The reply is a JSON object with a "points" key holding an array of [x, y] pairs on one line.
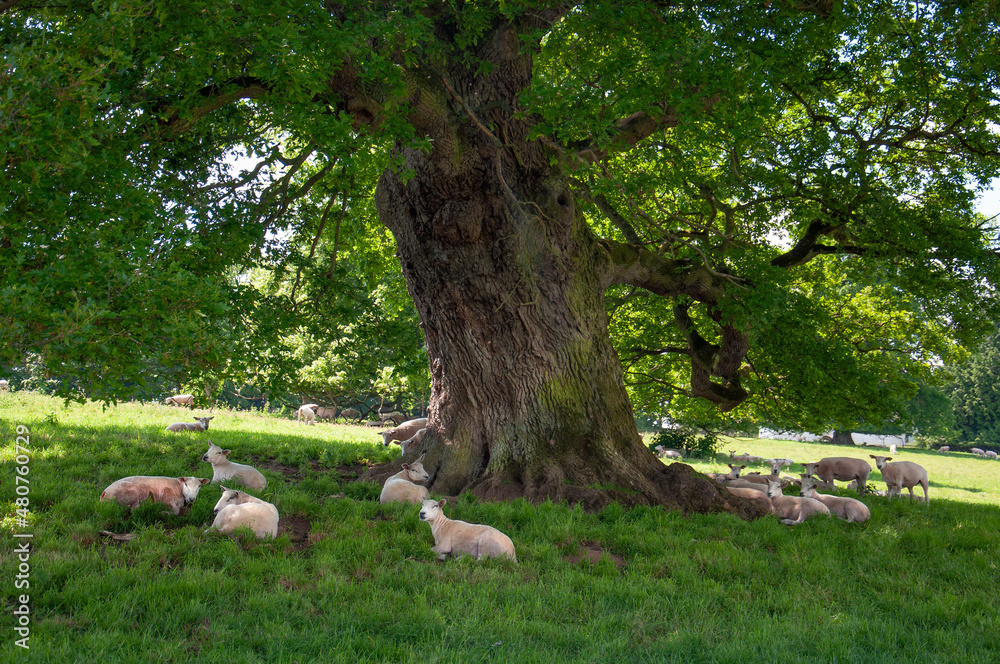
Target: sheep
{"points": [[665, 452], [200, 424], [4, 385], [457, 537], [978, 452], [944, 448], [180, 400], [237, 509], [900, 475], [892, 449], [404, 431], [403, 488], [779, 463], [849, 509], [224, 469], [408, 445], [990, 454], [793, 510], [350, 414], [752, 494], [174, 492], [743, 484], [841, 468], [826, 485], [325, 413], [306, 415], [395, 417]]}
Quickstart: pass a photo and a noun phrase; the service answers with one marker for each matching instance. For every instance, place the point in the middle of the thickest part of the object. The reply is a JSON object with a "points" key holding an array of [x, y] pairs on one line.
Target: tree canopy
{"points": [[775, 200]]}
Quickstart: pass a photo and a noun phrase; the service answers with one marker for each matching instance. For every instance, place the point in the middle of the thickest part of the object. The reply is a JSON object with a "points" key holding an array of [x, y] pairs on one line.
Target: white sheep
{"points": [[457, 537], [901, 475], [410, 445], [403, 488], [849, 509], [174, 492], [990, 454], [224, 469], [325, 413], [404, 431], [306, 415], [826, 485], [200, 424], [752, 494], [978, 452], [743, 484], [776, 464], [944, 448], [793, 510], [180, 400], [668, 453], [844, 469], [238, 509], [4, 385], [395, 417]]}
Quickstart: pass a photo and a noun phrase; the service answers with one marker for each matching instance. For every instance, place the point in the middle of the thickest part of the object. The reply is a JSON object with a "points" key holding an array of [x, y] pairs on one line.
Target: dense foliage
{"points": [[187, 189]]}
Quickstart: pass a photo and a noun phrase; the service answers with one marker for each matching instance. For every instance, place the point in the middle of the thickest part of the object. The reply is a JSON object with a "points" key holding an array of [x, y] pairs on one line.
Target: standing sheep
{"points": [[944, 448], [844, 469], [224, 469], [327, 413], [404, 431], [901, 475], [457, 537], [180, 400], [306, 415], [849, 509], [200, 424], [793, 510], [990, 454], [174, 492], [350, 414], [237, 509], [978, 452], [403, 488]]}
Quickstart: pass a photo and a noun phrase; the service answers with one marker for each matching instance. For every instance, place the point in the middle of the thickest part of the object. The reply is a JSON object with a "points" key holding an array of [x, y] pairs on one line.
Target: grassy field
{"points": [[348, 580]]}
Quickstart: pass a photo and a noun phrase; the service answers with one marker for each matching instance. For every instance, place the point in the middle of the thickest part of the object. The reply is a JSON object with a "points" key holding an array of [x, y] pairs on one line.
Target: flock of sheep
{"points": [[793, 510], [238, 509]]}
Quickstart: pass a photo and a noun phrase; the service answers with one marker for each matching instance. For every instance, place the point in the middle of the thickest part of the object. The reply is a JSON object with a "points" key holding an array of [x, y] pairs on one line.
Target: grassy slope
{"points": [[631, 586]]}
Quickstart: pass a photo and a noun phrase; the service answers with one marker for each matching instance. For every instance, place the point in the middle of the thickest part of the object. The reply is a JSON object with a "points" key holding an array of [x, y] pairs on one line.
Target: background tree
{"points": [[975, 395], [784, 185]]}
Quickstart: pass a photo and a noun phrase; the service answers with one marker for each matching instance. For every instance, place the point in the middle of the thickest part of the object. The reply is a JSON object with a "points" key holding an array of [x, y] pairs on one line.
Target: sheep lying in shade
{"points": [[755, 495], [404, 431], [793, 510], [237, 509], [174, 492], [199, 424], [849, 509], [901, 475], [180, 400], [403, 488], [844, 469], [668, 453], [224, 469], [458, 537]]}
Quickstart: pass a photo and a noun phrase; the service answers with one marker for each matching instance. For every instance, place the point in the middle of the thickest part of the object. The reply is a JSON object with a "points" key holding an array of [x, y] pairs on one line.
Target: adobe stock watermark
{"points": [[22, 578]]}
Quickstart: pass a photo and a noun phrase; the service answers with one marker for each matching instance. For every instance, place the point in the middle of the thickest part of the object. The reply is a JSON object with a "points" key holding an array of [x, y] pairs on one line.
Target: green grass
{"points": [[915, 584]]}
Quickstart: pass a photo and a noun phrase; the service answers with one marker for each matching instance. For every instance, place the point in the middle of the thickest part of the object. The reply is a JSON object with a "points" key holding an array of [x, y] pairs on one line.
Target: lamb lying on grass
{"points": [[174, 492], [793, 510], [457, 537], [755, 495], [849, 509], [237, 509], [900, 475], [224, 469], [403, 488], [200, 424]]}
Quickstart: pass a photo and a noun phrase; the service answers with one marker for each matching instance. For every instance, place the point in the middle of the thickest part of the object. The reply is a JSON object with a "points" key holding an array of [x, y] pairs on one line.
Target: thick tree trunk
{"points": [[527, 393]]}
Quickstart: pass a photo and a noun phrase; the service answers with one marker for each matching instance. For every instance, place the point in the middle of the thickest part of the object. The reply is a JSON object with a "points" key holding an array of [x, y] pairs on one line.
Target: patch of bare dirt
{"points": [[592, 552], [298, 529]]}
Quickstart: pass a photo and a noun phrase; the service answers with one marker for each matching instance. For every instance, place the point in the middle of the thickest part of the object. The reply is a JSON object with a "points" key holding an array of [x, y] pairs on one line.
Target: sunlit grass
{"points": [[361, 584]]}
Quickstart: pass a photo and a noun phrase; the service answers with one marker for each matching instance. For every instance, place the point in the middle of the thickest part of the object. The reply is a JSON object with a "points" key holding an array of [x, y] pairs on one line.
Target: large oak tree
{"points": [[777, 197]]}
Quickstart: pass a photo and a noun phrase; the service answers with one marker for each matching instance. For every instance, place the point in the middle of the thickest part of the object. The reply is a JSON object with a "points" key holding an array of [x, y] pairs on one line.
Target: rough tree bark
{"points": [[527, 394]]}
